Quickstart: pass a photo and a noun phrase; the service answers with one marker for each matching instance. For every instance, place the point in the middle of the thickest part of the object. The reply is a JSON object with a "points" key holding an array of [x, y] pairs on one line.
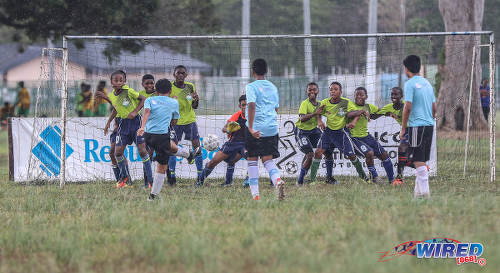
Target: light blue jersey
{"points": [[265, 96], [420, 93], [163, 110]]}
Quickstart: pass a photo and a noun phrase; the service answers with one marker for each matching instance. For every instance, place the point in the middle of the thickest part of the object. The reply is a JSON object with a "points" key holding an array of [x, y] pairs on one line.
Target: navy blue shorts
{"points": [[190, 132], [127, 131], [337, 138], [232, 149], [307, 140], [363, 145], [112, 137]]}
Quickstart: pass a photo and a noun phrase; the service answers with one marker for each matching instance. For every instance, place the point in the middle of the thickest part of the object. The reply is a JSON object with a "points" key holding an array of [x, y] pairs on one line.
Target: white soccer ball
{"points": [[211, 142]]}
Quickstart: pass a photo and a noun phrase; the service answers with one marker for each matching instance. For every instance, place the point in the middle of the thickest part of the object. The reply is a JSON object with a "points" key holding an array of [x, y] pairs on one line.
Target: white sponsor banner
{"points": [[36, 146]]}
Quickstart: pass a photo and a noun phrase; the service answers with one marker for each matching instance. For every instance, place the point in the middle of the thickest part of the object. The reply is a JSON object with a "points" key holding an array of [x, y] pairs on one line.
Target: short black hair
{"points": [[163, 86], [242, 98], [337, 83], [21, 84], [103, 83], [179, 67], [259, 66], [119, 71], [312, 83], [397, 88], [412, 63], [360, 88], [148, 77]]}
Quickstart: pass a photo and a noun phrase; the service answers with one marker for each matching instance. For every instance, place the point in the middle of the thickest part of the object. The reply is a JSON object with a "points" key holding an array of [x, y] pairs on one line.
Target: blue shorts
{"points": [[337, 138], [112, 137], [190, 132], [232, 149], [363, 145], [127, 131], [307, 140], [405, 141]]}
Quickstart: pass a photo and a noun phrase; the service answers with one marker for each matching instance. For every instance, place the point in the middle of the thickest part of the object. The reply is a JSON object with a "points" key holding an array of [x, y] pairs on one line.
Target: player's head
{"points": [[163, 86], [148, 82], [412, 64], [180, 73], [21, 84], [259, 67], [360, 95], [335, 90], [396, 94], [101, 85], [312, 90], [242, 103], [484, 82], [118, 79]]}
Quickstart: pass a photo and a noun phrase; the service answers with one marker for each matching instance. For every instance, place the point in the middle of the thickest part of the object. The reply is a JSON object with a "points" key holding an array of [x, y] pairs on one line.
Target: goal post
{"points": [[214, 66]]}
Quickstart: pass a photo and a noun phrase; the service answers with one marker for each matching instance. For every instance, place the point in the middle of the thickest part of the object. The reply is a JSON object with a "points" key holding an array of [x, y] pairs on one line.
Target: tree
{"points": [[460, 15]]}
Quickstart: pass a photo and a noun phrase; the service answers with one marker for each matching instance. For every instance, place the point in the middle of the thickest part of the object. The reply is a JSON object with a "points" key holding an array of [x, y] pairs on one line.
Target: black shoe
{"points": [[151, 197], [194, 153], [226, 184], [331, 180], [198, 184], [172, 181]]}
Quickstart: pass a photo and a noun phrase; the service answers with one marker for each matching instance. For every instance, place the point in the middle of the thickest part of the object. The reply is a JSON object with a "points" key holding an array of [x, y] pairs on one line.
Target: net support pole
{"points": [[469, 107], [492, 108], [64, 100], [307, 42]]}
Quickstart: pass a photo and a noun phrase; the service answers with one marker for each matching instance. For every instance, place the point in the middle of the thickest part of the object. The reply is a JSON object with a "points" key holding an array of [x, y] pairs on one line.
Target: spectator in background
{"points": [[23, 101], [100, 105], [84, 101], [484, 92], [6, 112]]}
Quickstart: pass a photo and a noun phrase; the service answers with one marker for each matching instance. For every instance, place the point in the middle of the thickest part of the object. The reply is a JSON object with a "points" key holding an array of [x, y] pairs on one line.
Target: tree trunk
{"points": [[453, 99]]}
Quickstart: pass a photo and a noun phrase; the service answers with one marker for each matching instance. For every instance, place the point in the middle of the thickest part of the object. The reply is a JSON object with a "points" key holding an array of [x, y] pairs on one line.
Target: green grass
{"points": [[95, 228]]}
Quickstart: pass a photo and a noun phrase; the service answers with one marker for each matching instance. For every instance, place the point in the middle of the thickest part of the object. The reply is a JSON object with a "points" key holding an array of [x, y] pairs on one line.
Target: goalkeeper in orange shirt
{"points": [[234, 149]]}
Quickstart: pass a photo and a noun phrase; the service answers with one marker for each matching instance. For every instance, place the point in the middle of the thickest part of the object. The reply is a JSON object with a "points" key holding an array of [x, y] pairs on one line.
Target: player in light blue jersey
{"points": [[262, 135], [418, 115], [160, 113]]}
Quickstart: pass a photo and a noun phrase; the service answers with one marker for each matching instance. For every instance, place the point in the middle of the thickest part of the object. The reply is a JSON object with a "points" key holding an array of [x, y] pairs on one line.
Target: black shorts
{"points": [[420, 142], [160, 143], [262, 146]]}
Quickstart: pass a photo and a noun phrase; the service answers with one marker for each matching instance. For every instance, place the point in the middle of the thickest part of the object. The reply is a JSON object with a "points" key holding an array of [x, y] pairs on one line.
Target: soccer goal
{"points": [[69, 120]]}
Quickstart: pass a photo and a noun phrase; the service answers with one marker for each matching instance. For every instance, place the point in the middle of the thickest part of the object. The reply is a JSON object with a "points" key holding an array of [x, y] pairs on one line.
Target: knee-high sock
{"points": [[314, 168], [157, 183], [373, 171], [302, 174], [148, 172], [389, 169], [359, 168], [122, 165], [116, 172], [329, 167], [172, 161], [199, 166], [273, 171], [402, 158], [253, 174], [422, 181], [229, 174], [205, 173]]}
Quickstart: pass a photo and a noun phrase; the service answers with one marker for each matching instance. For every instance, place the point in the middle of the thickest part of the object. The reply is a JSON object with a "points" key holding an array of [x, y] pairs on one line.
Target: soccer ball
{"points": [[211, 142]]}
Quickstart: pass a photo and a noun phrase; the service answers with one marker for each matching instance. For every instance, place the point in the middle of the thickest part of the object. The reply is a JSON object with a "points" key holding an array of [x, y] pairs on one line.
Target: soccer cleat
{"points": [[198, 184], [256, 197], [151, 197], [280, 189], [246, 182], [397, 181], [331, 181], [226, 184], [192, 154], [122, 183], [299, 184], [172, 181]]}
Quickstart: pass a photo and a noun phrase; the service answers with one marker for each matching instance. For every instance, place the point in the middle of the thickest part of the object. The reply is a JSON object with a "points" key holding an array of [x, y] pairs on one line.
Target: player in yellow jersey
{"points": [[23, 101], [185, 93], [334, 133], [148, 83], [126, 103], [364, 143]]}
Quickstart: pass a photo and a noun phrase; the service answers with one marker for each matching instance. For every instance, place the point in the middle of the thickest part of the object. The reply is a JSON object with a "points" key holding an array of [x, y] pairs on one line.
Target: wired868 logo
{"points": [[48, 150], [438, 248]]}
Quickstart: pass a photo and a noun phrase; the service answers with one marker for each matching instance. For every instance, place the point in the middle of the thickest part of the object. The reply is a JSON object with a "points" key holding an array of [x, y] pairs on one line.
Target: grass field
{"points": [[95, 228]]}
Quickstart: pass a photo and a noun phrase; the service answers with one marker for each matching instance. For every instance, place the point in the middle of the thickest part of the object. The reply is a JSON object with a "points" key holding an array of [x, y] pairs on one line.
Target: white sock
{"points": [[157, 183], [183, 152], [274, 173], [253, 177], [423, 180], [416, 190]]}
